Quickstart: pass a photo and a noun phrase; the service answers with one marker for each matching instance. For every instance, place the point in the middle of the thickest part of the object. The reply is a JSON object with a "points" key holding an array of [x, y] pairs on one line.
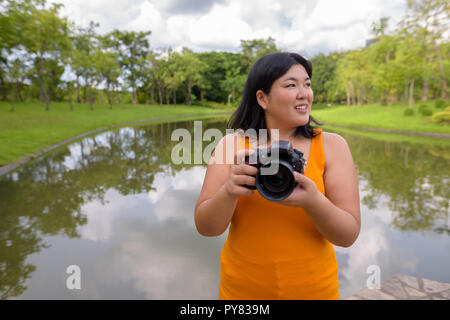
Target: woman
{"points": [[284, 249]]}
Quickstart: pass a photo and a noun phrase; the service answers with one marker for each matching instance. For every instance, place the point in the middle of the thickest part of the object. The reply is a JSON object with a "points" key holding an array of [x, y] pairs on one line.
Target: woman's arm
{"points": [[336, 214], [221, 189]]}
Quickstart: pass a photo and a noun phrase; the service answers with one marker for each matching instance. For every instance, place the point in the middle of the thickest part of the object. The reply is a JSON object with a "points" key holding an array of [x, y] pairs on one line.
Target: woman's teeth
{"points": [[300, 107]]}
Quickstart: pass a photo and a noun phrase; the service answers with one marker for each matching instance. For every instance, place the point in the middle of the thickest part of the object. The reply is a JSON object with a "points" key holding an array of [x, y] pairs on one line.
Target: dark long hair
{"points": [[261, 77]]}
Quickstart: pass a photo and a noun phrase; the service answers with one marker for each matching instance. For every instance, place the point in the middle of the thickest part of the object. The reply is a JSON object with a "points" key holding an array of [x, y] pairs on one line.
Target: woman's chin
{"points": [[302, 122]]}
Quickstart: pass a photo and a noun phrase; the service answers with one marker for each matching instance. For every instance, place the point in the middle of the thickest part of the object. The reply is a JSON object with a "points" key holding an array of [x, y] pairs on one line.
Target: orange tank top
{"points": [[274, 251]]}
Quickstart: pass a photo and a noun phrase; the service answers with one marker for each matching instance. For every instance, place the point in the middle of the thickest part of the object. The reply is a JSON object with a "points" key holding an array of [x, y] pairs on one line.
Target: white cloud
{"points": [[305, 26]]}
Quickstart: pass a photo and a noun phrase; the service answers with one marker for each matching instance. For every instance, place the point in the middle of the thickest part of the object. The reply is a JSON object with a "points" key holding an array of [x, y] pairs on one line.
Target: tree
{"points": [[378, 28], [354, 76], [190, 69], [85, 43], [234, 81], [132, 48], [324, 75], [409, 65], [427, 22], [44, 35], [108, 70], [386, 78], [257, 48]]}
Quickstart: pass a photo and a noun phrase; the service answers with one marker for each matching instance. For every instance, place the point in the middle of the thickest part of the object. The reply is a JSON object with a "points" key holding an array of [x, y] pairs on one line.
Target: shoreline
{"points": [[410, 133], [12, 166]]}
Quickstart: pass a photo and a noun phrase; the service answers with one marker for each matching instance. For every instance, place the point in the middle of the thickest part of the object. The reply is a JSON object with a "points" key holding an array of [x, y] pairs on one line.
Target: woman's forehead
{"points": [[296, 71]]}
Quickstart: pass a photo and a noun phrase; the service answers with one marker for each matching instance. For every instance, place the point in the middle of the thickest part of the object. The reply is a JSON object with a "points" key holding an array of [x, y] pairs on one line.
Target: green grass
{"points": [[30, 128], [391, 137], [377, 116]]}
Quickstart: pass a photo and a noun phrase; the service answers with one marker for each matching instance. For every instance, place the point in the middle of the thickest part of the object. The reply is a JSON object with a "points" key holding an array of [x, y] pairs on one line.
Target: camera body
{"points": [[275, 178]]}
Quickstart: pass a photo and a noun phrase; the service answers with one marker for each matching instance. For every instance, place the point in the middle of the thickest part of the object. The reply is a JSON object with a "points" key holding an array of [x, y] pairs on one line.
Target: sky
{"points": [[308, 27]]}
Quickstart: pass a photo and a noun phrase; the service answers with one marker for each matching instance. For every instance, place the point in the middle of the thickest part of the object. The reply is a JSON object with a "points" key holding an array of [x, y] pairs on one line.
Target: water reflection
{"points": [[116, 205]]}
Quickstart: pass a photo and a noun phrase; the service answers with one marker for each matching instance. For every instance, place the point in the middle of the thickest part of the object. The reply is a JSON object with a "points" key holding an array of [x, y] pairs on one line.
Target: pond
{"points": [[116, 206]]}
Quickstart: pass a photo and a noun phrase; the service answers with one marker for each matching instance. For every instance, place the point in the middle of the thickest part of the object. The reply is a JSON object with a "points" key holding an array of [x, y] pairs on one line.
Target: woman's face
{"points": [[289, 102]]}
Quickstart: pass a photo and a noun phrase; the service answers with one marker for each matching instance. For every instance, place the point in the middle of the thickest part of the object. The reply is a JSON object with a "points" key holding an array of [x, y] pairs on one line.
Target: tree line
{"points": [[410, 63], [48, 58]]}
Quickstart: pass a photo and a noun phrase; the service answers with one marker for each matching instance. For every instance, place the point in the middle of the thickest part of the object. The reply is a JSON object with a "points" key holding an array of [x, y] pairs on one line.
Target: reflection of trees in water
{"points": [[414, 178], [45, 198]]}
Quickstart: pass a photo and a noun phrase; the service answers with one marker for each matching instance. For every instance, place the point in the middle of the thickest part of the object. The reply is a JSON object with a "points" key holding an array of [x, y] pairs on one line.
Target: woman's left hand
{"points": [[305, 194]]}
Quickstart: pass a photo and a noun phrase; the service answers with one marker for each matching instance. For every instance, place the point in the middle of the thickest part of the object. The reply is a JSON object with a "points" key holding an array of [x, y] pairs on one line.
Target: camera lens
{"points": [[279, 185], [277, 182]]}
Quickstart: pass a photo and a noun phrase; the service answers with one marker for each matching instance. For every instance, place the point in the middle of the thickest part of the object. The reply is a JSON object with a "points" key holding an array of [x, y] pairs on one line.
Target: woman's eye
{"points": [[308, 84], [291, 85]]}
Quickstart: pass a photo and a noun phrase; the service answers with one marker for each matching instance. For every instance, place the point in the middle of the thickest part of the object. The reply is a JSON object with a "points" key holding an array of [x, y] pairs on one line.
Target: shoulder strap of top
{"points": [[317, 155]]}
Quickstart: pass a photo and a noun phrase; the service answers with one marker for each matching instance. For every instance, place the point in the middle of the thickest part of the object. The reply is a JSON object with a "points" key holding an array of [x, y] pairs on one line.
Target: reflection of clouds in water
{"points": [[191, 179], [101, 217], [165, 261], [166, 258], [373, 247], [174, 197]]}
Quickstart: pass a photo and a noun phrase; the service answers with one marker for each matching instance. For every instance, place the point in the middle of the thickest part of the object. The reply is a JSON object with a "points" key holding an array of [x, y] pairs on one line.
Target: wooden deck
{"points": [[404, 287]]}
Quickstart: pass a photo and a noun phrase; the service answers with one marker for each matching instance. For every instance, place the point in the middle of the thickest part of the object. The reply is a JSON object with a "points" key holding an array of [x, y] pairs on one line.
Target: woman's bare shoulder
{"points": [[332, 139], [335, 146]]}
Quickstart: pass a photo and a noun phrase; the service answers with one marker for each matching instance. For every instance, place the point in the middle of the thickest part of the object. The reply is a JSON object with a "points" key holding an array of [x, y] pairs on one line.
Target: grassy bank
{"points": [[383, 117], [30, 128]]}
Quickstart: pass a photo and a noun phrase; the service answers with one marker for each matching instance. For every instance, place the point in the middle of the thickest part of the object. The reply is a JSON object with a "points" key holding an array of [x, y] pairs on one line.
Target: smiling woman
{"points": [[281, 249]]}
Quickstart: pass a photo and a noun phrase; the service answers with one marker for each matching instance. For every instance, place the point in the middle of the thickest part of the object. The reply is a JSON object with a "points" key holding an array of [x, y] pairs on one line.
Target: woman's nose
{"points": [[302, 92]]}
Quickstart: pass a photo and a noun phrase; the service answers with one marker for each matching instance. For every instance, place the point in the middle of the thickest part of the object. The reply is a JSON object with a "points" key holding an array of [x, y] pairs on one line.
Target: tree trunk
{"points": [[69, 92], [91, 99], [85, 99], [411, 93], [425, 90], [108, 93], [189, 89], [443, 77], [352, 93], [78, 89], [152, 95], [174, 95], [134, 95], [406, 92], [42, 85], [348, 94], [12, 97], [160, 94]]}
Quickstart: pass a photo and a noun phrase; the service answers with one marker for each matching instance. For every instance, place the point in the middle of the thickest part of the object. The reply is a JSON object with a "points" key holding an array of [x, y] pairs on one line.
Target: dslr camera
{"points": [[276, 185]]}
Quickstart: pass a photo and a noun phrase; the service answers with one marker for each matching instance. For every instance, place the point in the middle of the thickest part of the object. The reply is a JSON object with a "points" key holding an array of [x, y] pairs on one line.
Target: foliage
{"points": [[442, 117], [439, 104], [44, 56]]}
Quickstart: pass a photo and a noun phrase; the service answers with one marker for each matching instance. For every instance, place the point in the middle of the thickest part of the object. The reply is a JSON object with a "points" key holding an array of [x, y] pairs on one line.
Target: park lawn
{"points": [[377, 116], [30, 128]]}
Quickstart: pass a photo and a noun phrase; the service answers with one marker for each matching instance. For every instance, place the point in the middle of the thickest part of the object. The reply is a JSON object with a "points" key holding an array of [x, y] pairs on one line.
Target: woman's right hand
{"points": [[241, 174]]}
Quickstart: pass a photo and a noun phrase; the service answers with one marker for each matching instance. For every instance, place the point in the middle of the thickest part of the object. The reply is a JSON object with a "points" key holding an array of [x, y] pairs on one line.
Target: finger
{"points": [[301, 179], [244, 180], [241, 154], [241, 190], [245, 169]]}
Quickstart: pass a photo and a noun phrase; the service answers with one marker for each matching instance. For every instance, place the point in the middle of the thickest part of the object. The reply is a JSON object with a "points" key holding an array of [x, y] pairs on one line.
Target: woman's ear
{"points": [[262, 99]]}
